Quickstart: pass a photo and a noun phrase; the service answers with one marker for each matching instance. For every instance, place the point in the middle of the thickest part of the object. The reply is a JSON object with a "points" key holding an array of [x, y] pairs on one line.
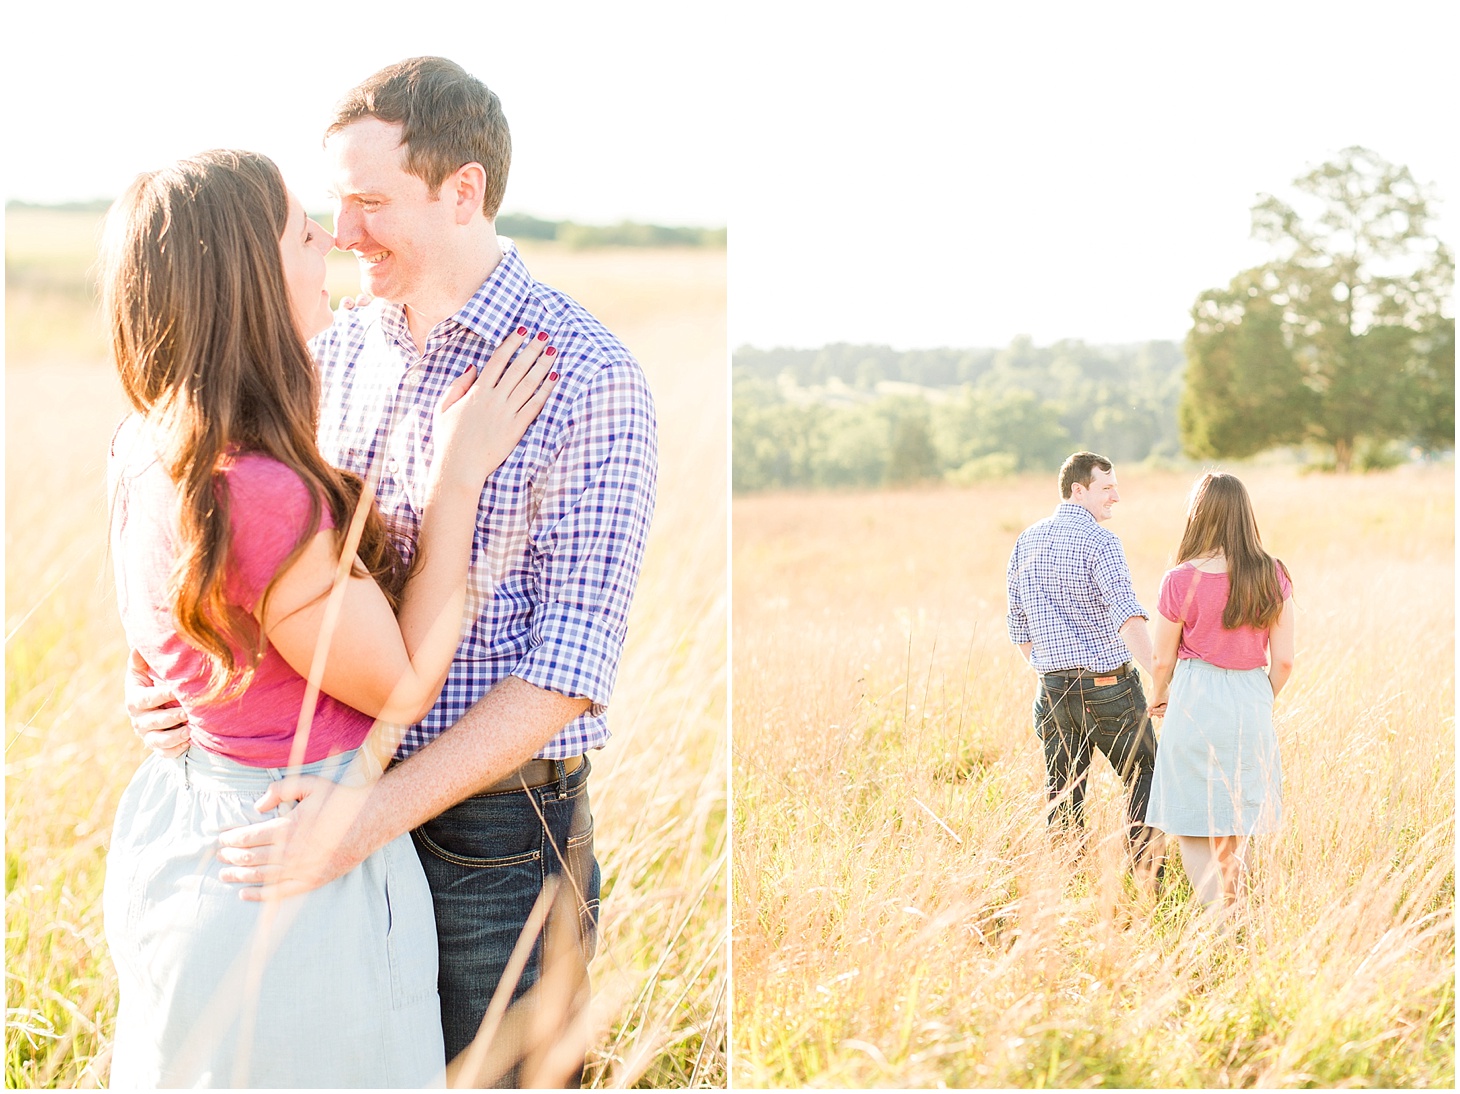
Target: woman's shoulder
{"points": [[261, 473], [1174, 599], [259, 483], [1285, 580], [132, 458], [1179, 575], [1186, 587]]}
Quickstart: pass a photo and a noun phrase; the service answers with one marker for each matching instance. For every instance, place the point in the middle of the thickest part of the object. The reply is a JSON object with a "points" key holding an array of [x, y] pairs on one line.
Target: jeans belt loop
{"points": [[562, 773]]}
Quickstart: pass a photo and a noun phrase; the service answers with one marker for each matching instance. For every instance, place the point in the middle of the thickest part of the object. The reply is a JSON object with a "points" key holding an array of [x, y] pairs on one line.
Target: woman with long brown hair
{"points": [[1224, 650], [281, 613]]}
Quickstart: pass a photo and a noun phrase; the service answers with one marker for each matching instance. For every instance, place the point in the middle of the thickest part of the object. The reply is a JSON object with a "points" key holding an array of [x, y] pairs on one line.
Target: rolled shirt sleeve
{"points": [[588, 537], [1017, 620], [1112, 578]]}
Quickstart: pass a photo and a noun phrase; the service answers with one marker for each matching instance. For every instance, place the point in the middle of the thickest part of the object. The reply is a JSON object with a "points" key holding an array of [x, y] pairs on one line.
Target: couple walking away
{"points": [[449, 491], [1222, 652]]}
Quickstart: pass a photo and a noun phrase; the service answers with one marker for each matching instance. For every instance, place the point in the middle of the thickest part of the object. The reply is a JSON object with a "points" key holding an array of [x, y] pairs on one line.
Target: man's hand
{"points": [[308, 847], [154, 712]]}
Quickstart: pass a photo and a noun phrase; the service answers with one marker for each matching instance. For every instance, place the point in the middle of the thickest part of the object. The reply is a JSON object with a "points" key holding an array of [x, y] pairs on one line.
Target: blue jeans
{"points": [[1073, 717], [486, 859]]}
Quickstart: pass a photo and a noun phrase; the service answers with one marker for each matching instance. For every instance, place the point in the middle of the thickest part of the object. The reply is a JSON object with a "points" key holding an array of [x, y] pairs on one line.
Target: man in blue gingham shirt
{"points": [[1074, 615], [563, 520]]}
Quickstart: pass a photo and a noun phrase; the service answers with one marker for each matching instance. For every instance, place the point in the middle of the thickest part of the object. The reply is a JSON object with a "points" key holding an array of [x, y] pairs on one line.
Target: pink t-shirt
{"points": [[1196, 600], [269, 510]]}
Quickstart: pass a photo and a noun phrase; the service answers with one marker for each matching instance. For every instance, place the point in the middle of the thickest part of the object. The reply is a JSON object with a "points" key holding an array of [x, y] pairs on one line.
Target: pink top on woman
{"points": [[1196, 599], [269, 511]]}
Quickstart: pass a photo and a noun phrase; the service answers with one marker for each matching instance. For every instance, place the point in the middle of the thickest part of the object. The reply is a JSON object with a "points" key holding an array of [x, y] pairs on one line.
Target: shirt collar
{"points": [[494, 309], [1068, 510]]}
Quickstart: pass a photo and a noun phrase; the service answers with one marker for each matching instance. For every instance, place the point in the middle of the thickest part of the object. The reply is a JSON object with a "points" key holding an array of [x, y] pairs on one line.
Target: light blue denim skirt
{"points": [[334, 988], [1217, 767]]}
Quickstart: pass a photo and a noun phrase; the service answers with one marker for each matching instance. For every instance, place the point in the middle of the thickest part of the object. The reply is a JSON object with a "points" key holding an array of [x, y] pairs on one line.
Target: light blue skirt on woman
{"points": [[334, 988], [1217, 766]]}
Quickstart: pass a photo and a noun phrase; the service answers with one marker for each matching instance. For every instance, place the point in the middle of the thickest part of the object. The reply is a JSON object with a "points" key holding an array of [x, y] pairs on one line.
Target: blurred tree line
{"points": [[847, 415], [626, 233]]}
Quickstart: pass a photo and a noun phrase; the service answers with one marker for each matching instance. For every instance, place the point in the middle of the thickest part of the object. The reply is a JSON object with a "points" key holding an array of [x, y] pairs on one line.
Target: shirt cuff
{"points": [[1124, 613], [1018, 630], [577, 655]]}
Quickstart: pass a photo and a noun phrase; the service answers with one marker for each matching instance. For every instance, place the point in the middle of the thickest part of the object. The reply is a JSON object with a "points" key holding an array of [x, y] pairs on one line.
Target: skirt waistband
{"points": [[1196, 664], [199, 767]]}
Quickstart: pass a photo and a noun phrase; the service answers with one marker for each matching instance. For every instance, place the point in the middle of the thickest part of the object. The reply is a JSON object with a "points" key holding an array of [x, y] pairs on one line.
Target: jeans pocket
{"points": [[484, 832], [586, 879], [1108, 699], [1043, 710]]}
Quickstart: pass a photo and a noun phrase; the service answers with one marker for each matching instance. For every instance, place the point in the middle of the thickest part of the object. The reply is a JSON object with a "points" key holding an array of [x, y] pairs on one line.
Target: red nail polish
{"points": [[542, 336], [552, 375], [550, 350], [521, 330]]}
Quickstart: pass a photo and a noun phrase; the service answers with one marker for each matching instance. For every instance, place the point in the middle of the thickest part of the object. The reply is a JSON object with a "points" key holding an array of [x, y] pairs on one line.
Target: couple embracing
{"points": [[1223, 649], [375, 570]]}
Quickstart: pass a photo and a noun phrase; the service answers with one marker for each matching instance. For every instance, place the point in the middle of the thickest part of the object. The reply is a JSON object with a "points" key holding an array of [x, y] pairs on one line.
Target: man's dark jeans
{"points": [[1075, 716], [486, 859]]}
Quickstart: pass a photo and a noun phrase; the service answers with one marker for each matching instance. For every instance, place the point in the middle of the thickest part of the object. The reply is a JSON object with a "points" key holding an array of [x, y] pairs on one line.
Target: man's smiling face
{"points": [[1099, 496], [389, 217]]}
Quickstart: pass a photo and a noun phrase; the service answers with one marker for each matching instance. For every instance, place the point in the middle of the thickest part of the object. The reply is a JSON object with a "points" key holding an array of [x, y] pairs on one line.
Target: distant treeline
{"points": [[847, 415], [95, 205], [626, 233]]}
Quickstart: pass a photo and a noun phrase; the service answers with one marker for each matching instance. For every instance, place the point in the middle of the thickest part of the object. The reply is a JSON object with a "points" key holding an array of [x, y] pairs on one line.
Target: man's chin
{"points": [[374, 283]]}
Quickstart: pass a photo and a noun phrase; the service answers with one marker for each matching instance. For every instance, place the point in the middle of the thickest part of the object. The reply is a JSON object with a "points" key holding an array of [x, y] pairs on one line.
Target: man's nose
{"points": [[347, 228]]}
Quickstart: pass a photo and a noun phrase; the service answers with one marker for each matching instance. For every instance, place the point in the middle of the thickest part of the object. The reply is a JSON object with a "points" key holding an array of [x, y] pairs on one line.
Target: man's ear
{"points": [[467, 187]]}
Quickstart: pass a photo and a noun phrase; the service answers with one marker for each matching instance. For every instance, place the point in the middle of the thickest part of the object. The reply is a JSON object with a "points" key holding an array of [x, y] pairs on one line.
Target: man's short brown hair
{"points": [[447, 117], [1080, 468]]}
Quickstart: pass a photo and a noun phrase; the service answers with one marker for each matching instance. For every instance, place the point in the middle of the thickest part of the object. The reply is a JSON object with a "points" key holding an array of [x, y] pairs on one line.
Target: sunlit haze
{"points": [[938, 175], [614, 114], [933, 178]]}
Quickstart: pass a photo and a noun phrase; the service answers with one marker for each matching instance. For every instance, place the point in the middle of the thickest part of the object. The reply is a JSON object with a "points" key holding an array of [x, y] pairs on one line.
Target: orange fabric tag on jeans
{"points": [[1101, 681]]}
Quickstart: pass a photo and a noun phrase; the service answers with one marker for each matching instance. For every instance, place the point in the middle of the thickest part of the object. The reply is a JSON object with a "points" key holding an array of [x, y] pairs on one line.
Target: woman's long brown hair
{"points": [[1220, 518], [205, 343]]}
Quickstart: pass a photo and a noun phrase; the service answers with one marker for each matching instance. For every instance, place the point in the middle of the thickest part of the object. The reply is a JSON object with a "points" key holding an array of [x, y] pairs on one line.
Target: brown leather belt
{"points": [[534, 773], [1097, 678]]}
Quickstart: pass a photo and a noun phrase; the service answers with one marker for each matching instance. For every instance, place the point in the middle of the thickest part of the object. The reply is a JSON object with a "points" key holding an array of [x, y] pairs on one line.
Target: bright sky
{"points": [[617, 110], [921, 173], [925, 174]]}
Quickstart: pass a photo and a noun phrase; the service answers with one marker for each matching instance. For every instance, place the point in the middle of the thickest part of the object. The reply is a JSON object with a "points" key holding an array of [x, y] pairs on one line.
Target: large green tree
{"points": [[1245, 390], [1326, 341]]}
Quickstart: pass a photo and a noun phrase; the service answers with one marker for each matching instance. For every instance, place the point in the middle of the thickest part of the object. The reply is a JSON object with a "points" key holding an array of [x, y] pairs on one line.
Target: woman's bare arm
{"points": [[1167, 642], [393, 668], [1280, 645]]}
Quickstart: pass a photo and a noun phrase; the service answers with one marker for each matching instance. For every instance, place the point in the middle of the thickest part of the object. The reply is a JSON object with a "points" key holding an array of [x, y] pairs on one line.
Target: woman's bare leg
{"points": [[1231, 855], [1199, 860]]}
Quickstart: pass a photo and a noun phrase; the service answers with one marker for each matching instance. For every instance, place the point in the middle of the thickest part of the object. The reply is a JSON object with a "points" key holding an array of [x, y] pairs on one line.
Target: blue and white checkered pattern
{"points": [[1070, 593], [562, 524]]}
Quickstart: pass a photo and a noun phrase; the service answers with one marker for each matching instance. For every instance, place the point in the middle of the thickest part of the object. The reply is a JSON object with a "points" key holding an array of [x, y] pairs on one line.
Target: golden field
{"points": [[902, 918], [659, 1007]]}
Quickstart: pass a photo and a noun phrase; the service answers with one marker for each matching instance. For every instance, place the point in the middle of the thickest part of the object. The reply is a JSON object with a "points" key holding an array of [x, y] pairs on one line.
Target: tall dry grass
{"points": [[902, 917], [658, 1013]]}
